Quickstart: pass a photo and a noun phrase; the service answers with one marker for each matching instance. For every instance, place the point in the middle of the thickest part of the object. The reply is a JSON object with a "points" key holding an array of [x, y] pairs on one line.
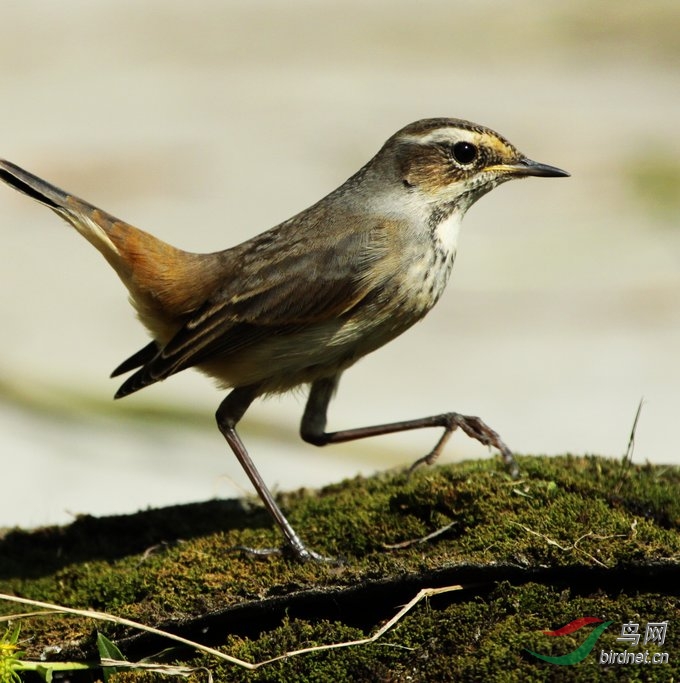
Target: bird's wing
{"points": [[280, 284]]}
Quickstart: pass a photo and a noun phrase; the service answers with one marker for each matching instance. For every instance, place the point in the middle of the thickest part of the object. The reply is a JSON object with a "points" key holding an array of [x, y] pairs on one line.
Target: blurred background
{"points": [[207, 123]]}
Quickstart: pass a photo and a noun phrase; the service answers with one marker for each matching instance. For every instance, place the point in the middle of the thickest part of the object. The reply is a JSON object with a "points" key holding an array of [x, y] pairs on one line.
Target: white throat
{"points": [[446, 233]]}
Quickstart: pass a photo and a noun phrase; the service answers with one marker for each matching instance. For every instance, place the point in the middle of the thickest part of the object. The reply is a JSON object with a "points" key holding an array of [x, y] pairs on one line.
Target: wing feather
{"points": [[281, 286]]}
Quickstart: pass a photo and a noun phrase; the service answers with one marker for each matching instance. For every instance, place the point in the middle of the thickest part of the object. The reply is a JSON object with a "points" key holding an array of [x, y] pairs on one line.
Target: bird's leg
{"points": [[231, 410], [313, 427]]}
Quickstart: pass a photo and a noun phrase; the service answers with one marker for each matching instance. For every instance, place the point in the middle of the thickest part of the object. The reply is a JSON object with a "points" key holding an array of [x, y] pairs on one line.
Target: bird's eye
{"points": [[465, 152]]}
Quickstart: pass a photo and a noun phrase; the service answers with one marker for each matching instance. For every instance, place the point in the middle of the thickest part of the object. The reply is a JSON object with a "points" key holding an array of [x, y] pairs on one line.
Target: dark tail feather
{"points": [[31, 185], [135, 382], [142, 357]]}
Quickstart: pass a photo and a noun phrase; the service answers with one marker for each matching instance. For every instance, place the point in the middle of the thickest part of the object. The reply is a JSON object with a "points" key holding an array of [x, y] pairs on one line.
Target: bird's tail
{"points": [[95, 225], [165, 283]]}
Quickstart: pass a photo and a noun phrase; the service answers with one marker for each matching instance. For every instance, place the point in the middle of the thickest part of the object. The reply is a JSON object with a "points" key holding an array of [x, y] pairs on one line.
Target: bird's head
{"points": [[454, 161]]}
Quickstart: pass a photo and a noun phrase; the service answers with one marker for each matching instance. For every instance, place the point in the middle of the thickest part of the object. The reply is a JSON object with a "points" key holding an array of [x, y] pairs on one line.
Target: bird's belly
{"points": [[284, 361]]}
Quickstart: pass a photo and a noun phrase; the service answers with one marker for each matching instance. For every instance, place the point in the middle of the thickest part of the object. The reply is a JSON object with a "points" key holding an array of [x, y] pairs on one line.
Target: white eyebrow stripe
{"points": [[443, 135]]}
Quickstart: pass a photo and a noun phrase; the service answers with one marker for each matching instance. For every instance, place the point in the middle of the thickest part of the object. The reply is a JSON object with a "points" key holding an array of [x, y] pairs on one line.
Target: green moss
{"points": [[478, 639], [573, 537]]}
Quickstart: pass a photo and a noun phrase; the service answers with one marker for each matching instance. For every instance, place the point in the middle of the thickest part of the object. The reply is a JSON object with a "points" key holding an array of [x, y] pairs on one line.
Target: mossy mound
{"points": [[574, 537]]}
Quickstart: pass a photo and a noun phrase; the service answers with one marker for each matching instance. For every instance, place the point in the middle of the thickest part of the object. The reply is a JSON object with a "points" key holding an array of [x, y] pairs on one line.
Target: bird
{"points": [[303, 301]]}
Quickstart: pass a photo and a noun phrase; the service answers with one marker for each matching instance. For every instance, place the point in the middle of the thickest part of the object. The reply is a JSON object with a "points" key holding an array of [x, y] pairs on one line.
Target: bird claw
{"points": [[476, 429], [302, 553]]}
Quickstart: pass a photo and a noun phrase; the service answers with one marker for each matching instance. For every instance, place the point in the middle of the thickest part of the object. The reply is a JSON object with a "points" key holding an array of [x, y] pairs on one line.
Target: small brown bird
{"points": [[302, 302]]}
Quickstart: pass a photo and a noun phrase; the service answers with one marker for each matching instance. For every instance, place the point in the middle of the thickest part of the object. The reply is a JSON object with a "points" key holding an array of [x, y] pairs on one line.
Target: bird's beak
{"points": [[527, 167]]}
